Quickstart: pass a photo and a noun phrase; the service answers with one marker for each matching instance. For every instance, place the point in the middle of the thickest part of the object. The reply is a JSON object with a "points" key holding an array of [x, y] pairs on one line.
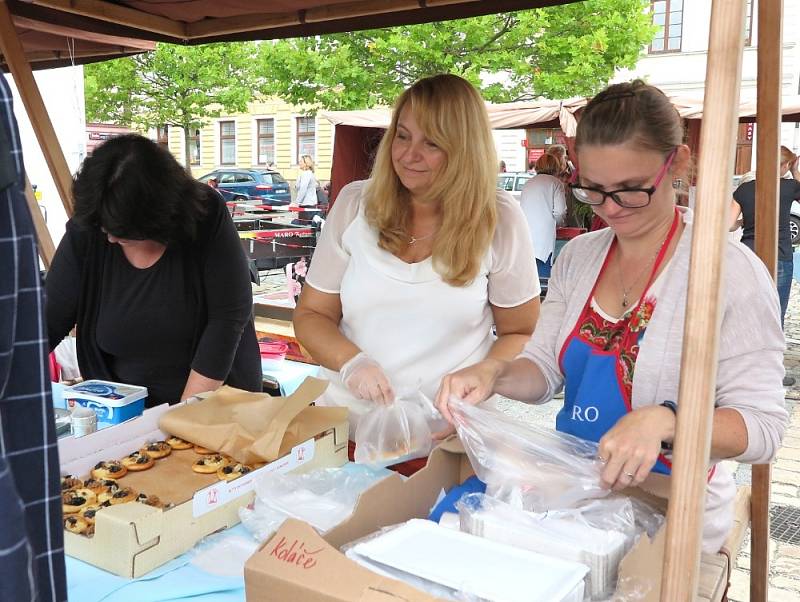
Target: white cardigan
{"points": [[751, 345]]}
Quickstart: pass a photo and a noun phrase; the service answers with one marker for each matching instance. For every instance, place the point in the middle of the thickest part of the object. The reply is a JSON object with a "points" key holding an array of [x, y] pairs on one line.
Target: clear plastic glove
{"points": [[365, 379]]}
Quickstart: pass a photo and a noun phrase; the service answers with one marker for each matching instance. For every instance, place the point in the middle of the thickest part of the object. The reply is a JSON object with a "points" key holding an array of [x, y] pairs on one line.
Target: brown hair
{"points": [[631, 112], [453, 116], [548, 164]]}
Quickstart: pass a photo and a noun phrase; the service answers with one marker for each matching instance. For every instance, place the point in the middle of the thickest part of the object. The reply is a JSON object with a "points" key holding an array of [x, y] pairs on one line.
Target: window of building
{"points": [[194, 147], [227, 142], [306, 137], [266, 141], [162, 135], [748, 24], [668, 17]]}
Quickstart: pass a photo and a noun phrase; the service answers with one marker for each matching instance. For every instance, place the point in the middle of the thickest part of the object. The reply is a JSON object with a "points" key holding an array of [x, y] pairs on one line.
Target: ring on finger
{"points": [[630, 475], [602, 459]]}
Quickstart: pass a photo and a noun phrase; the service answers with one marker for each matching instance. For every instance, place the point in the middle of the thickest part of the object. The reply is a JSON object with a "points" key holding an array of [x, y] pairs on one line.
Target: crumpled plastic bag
{"points": [[323, 498], [525, 465], [395, 433]]}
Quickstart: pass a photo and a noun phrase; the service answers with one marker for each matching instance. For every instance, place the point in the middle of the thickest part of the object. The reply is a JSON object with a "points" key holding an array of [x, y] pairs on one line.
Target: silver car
{"points": [[513, 181]]}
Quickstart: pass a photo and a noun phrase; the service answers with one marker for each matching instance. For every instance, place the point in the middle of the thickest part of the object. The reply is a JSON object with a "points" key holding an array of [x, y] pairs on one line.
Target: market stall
{"points": [[175, 22]]}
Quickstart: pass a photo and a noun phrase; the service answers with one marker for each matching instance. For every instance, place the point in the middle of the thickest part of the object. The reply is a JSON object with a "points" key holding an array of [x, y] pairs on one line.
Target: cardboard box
{"points": [[297, 563], [132, 539]]}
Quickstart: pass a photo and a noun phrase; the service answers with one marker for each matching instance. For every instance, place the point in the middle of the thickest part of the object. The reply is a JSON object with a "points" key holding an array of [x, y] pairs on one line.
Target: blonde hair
{"points": [[787, 156], [307, 161], [548, 164], [453, 116]]}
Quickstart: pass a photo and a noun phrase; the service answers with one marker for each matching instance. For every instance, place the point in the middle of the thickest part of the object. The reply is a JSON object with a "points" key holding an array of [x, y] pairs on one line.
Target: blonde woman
{"points": [[416, 264], [306, 184]]}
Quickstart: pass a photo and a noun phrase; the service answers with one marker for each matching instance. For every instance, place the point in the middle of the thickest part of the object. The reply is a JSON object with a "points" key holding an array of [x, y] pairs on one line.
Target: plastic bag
{"points": [[391, 434], [531, 467], [597, 533], [323, 498]]}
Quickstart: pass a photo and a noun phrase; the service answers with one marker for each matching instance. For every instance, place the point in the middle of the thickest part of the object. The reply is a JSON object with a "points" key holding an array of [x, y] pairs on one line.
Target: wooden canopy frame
{"points": [[715, 168]]}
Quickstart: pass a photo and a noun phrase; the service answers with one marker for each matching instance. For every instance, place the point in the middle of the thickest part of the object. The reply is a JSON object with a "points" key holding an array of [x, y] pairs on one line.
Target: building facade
{"points": [[270, 133], [675, 61]]}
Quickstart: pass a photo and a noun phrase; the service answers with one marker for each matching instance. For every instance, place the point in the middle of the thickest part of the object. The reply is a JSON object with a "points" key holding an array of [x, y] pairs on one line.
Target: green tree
{"points": [[177, 85], [554, 52]]}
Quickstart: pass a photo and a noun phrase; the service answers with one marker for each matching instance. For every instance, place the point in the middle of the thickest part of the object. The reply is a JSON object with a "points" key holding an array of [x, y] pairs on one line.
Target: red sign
{"points": [[524, 143], [749, 132], [534, 154]]}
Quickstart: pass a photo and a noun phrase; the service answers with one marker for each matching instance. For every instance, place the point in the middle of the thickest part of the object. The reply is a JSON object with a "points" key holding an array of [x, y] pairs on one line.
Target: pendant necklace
{"points": [[626, 290], [415, 239]]}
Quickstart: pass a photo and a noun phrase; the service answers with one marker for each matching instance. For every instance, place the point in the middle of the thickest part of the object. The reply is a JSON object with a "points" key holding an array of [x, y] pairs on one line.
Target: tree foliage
{"points": [[555, 52], [177, 85]]}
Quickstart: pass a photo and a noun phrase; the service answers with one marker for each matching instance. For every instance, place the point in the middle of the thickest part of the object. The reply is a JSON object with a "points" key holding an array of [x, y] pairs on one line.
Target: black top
{"points": [[192, 309], [745, 195]]}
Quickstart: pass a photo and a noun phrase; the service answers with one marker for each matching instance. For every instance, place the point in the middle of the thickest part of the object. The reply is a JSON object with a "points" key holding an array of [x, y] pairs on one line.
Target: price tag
{"points": [[219, 494]]}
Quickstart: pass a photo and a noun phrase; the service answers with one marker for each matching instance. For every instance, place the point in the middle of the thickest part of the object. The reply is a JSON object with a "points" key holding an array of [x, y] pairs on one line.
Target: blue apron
{"points": [[595, 396]]}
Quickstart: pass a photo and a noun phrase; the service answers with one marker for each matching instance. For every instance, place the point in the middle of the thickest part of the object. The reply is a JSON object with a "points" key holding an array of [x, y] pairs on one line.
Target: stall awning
{"points": [[61, 32]]}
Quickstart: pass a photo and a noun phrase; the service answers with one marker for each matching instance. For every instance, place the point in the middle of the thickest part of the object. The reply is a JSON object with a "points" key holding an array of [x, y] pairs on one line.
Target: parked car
{"points": [[513, 182], [259, 184]]}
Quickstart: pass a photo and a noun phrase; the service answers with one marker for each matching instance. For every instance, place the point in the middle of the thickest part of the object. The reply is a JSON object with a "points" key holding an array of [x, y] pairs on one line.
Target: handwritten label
{"points": [[212, 497], [295, 553]]}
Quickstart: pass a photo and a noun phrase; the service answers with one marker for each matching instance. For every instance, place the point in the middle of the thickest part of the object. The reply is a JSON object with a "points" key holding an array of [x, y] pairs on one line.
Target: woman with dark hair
{"points": [[152, 272], [612, 325]]}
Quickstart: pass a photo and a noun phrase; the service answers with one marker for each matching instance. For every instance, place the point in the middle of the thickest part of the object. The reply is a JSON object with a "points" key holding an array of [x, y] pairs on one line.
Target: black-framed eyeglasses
{"points": [[630, 198]]}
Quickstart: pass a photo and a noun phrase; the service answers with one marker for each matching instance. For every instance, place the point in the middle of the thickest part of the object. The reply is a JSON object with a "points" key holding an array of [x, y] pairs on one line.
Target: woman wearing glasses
{"points": [[611, 328]]}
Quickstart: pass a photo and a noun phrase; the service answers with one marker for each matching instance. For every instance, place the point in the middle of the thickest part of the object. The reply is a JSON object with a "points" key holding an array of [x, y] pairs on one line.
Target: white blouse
{"points": [[403, 315], [544, 205]]}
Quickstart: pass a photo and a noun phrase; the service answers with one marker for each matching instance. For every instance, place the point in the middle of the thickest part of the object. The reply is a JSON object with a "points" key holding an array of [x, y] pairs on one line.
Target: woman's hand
{"points": [[472, 385], [365, 379], [631, 448]]}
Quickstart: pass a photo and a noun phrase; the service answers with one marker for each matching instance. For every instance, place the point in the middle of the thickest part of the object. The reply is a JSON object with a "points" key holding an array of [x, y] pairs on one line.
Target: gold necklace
{"points": [[627, 290], [415, 239]]}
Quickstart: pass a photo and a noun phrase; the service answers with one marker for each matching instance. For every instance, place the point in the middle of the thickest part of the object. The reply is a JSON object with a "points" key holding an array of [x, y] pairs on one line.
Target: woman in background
{"points": [[306, 184], [544, 204]]}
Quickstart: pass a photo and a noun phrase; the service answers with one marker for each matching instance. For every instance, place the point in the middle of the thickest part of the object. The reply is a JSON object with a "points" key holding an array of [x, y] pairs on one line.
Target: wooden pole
{"points": [[701, 329], [46, 247], [768, 118], [34, 105]]}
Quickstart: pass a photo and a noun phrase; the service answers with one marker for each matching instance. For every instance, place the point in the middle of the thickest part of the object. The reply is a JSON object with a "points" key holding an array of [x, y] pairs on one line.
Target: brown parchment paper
{"points": [[250, 427]]}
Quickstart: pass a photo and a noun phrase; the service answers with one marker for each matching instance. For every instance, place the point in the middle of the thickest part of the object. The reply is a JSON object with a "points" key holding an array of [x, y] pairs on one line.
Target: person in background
{"points": [[502, 167], [416, 264], [544, 205], [31, 531], [565, 167], [612, 325], [152, 272], [306, 184], [214, 183], [744, 205]]}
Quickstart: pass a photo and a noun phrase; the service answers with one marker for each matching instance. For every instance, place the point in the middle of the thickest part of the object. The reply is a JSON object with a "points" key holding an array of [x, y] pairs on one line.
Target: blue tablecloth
{"points": [[289, 374], [176, 580]]}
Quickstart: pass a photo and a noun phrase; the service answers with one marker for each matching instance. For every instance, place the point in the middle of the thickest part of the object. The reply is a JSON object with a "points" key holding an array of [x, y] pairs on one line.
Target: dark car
{"points": [[259, 185]]}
